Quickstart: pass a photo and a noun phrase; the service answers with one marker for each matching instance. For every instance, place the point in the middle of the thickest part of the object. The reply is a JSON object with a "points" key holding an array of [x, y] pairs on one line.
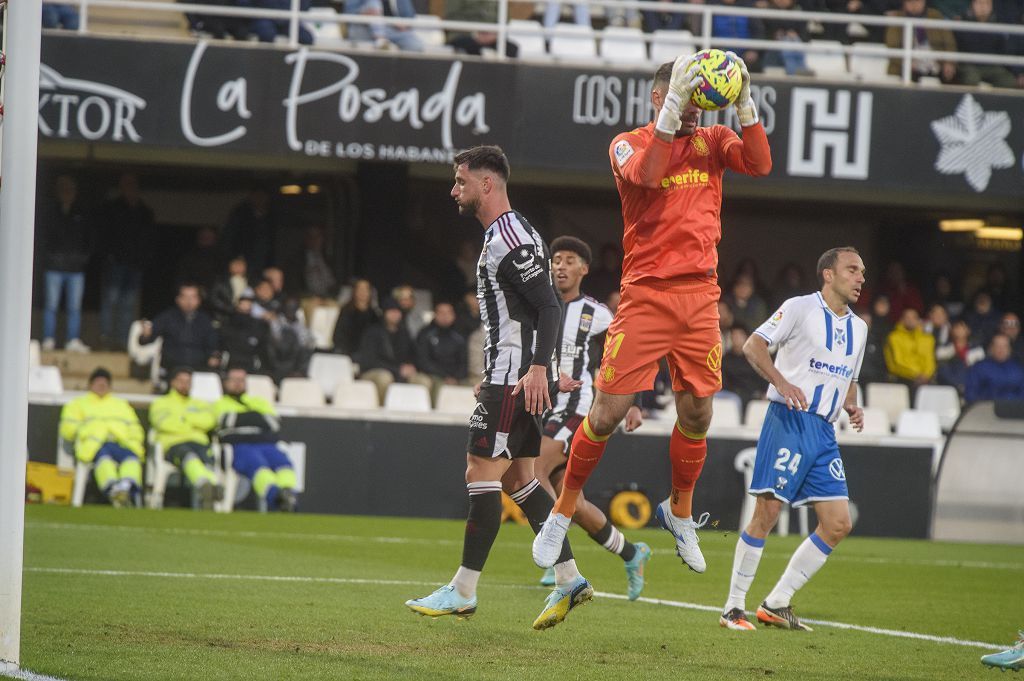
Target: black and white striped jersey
{"points": [[583, 332], [517, 300]]}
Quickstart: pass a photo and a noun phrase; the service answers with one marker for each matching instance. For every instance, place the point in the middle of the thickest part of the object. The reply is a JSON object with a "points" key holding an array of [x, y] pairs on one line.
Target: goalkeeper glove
{"points": [[685, 79], [745, 109]]}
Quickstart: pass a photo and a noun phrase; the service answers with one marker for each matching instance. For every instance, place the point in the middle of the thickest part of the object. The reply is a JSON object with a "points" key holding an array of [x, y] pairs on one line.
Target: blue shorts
{"points": [[797, 458], [116, 452], [251, 456]]}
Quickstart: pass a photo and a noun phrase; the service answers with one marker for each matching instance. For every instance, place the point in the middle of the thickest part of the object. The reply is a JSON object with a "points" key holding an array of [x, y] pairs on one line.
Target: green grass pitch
{"points": [[112, 595]]}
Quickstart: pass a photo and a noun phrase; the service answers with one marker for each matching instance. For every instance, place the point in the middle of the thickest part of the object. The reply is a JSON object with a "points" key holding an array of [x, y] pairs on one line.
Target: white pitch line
{"points": [[397, 582], [25, 675], [586, 547]]}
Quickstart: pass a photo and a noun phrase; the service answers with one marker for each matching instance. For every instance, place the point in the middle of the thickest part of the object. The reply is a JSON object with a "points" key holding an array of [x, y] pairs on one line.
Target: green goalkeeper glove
{"points": [[685, 79], [745, 109]]}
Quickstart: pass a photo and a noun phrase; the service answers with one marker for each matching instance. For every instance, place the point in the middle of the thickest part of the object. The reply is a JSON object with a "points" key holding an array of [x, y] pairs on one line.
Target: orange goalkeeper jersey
{"points": [[672, 196]]}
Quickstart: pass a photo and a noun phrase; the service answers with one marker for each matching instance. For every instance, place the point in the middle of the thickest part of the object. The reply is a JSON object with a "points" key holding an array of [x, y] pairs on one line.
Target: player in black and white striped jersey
{"points": [[583, 331]]}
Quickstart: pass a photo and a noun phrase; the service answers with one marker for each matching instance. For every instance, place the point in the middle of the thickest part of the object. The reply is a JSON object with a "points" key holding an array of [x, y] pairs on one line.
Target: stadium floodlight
{"points": [[961, 225], [22, 35], [1000, 233]]}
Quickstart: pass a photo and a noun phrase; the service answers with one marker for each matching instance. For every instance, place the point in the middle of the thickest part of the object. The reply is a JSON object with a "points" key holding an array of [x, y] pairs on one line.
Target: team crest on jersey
{"points": [[623, 152], [586, 320], [839, 337], [715, 357], [609, 374], [699, 145]]}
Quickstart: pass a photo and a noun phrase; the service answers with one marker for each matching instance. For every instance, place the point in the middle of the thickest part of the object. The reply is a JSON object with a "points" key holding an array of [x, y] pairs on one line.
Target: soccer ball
{"points": [[720, 80]]}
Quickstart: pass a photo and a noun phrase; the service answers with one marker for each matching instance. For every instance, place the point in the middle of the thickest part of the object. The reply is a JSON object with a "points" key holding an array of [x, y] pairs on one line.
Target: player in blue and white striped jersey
{"points": [[820, 345]]}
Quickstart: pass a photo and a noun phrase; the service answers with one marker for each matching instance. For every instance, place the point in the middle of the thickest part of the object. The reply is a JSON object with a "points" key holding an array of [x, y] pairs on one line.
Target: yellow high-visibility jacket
{"points": [[90, 421], [910, 354], [177, 418], [246, 418]]}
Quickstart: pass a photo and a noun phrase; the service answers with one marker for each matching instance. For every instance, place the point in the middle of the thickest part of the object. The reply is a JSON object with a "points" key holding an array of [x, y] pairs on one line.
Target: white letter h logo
{"points": [[830, 128]]}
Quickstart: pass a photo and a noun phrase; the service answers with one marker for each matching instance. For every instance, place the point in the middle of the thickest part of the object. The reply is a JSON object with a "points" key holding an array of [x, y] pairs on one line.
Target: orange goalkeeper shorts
{"points": [[676, 319]]}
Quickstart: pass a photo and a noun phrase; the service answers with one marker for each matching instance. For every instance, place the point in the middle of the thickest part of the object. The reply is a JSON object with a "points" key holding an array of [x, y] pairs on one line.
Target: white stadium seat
{"points": [[623, 45], [322, 324], [893, 398], [667, 45], [825, 64], [915, 423], [876, 422], [261, 386], [356, 395], [755, 413], [45, 380], [942, 400], [326, 33], [330, 371], [431, 35], [867, 66], [726, 410], [407, 397], [206, 386], [455, 399], [573, 42], [529, 36], [301, 392]]}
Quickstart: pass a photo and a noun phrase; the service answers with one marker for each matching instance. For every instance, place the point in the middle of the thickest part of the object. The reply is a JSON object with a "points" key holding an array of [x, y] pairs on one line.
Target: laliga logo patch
{"points": [[776, 318], [623, 152], [715, 357], [699, 145], [835, 467]]}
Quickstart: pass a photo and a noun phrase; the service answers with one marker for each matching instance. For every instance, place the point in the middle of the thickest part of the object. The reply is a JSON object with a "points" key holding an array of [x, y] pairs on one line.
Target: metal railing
{"points": [[907, 53]]}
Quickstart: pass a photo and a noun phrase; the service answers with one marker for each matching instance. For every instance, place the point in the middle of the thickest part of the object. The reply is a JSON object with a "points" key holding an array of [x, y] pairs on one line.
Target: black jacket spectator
{"points": [[246, 339], [383, 349], [441, 352], [188, 334], [738, 375], [127, 232], [67, 237]]}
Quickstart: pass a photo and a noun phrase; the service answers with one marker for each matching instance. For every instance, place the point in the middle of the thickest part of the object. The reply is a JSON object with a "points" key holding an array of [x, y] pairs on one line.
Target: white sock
{"points": [[465, 581], [807, 559], [744, 567], [566, 573]]}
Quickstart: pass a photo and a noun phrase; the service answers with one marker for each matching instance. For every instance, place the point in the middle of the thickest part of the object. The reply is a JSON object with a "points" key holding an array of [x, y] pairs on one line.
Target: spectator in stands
{"points": [[441, 350], [739, 375], [951, 9], [748, 267], [387, 352], [126, 236], [468, 260], [739, 26], [266, 30], [872, 368], [982, 318], [726, 320], [901, 293], [405, 295], [952, 368], [474, 44], [980, 12], [275, 275], [66, 242], [998, 289], [605, 278], [250, 425], [60, 16], [245, 338], [467, 315], [998, 376], [104, 431], [790, 31], [228, 289], [654, 20], [266, 304], [881, 311], [189, 338], [909, 351], [937, 324], [219, 27], [354, 318], [318, 278], [619, 16], [553, 12], [942, 293], [182, 425], [854, 30], [204, 262], [789, 283], [1009, 326], [251, 229], [935, 39], [384, 35], [291, 343], [748, 308]]}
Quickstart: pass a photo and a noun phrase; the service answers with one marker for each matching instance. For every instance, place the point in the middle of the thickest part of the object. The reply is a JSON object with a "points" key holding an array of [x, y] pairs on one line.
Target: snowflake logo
{"points": [[973, 143]]}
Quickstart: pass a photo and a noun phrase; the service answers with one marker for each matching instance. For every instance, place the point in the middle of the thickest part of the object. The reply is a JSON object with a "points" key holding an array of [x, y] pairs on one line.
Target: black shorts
{"points": [[561, 425], [501, 426]]}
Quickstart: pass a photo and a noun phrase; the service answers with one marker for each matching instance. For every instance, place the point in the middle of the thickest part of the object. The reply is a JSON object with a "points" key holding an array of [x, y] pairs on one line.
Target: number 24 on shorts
{"points": [[787, 460]]}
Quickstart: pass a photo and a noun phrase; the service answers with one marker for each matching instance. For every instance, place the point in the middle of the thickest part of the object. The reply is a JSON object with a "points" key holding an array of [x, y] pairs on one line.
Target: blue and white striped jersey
{"points": [[818, 351]]}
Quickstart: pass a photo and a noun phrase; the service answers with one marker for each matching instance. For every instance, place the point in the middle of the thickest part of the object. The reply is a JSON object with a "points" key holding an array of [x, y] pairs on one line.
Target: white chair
{"points": [[34, 353], [261, 386], [623, 45], [432, 35], [867, 66], [158, 470], [529, 36], [876, 422], [573, 42], [667, 45], [941, 400], [409, 397], [66, 459], [206, 386], [324, 318], [916, 423], [755, 413], [827, 64], [145, 354], [330, 371], [301, 392], [45, 380], [455, 399], [356, 395], [326, 33], [891, 397], [726, 410]]}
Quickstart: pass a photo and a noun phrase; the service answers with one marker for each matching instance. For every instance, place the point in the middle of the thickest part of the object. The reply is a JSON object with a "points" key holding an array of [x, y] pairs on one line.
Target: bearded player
{"points": [[669, 177]]}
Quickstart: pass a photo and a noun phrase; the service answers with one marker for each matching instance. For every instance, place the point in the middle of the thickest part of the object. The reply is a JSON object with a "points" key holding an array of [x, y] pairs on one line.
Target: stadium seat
{"points": [[455, 399], [330, 371], [301, 392], [942, 400], [326, 33], [45, 380], [206, 386], [322, 325], [726, 410], [867, 66], [261, 386], [407, 397], [828, 64], [916, 423], [144, 355], [33, 353], [431, 35], [876, 422], [356, 395], [893, 398], [755, 413], [529, 35], [623, 45], [667, 45], [573, 42]]}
